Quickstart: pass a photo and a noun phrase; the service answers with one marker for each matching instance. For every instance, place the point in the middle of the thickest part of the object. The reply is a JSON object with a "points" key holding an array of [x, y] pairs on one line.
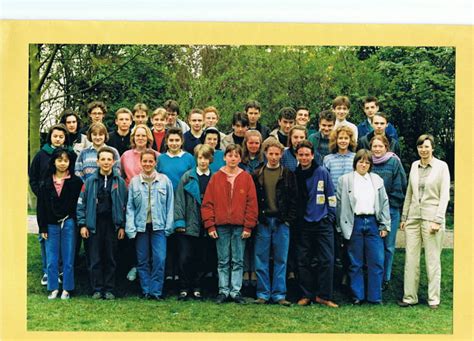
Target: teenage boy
{"points": [[320, 139], [101, 218], [211, 118], [253, 111], [379, 125], [120, 138], [192, 137], [303, 118], [229, 212], [96, 111], [341, 106], [240, 125], [286, 120], [159, 118], [172, 107], [277, 195], [371, 106], [316, 217], [193, 243], [140, 114]]}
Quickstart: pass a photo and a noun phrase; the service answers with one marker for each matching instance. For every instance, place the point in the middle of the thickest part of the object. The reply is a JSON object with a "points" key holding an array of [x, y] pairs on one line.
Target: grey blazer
{"points": [[346, 204], [432, 206]]}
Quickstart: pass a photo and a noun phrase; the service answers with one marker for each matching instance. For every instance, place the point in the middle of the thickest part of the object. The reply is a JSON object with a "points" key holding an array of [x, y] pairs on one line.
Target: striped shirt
{"points": [[86, 163], [338, 165]]}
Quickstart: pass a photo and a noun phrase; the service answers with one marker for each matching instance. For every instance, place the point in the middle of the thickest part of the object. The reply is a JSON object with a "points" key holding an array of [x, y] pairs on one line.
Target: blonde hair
{"points": [[149, 135], [334, 135]]}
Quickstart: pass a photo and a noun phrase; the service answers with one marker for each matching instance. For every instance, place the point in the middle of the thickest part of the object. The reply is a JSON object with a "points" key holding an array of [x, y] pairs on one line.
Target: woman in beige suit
{"points": [[423, 220]]}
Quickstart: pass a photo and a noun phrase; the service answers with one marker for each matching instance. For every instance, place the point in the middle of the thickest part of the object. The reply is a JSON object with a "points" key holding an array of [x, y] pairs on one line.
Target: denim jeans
{"points": [[230, 259], [366, 240], [271, 237], [389, 243], [152, 273], [61, 243]]}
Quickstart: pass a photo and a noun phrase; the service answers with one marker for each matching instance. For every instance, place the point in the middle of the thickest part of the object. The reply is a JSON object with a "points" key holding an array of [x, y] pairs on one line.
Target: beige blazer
{"points": [[432, 206]]}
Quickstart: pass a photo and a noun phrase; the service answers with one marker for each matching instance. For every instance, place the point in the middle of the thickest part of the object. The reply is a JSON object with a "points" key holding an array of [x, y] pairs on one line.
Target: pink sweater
{"points": [[130, 161]]}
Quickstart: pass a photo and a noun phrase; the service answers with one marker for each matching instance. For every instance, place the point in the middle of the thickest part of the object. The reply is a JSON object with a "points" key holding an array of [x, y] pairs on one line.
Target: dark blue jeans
{"points": [[151, 255], [366, 240]]}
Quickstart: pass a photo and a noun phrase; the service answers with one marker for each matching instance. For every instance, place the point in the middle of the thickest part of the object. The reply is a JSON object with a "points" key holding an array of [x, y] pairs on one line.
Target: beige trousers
{"points": [[417, 233]]}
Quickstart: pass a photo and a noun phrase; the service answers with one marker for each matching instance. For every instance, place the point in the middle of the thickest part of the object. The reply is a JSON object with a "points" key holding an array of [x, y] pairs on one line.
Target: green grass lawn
{"points": [[129, 313]]}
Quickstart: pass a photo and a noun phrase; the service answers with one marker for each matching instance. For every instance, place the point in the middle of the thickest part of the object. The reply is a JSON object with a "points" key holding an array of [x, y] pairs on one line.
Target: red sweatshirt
{"points": [[220, 207]]}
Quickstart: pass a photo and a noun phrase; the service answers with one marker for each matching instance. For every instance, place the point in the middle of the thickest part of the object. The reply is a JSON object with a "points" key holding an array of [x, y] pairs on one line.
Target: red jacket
{"points": [[219, 208]]}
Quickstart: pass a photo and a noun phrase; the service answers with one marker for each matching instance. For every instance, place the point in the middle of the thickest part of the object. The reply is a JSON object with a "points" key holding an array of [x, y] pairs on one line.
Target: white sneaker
{"points": [[53, 295], [132, 274], [65, 295], [44, 279]]}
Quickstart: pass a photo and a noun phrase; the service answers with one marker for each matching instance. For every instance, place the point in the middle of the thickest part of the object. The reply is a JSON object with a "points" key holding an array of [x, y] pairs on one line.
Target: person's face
{"points": [[379, 124], [239, 129], [71, 124], [211, 140], [148, 163], [105, 162], [341, 112], [98, 138], [370, 109], [210, 119], [253, 144], [302, 117], [159, 123], [203, 163], [140, 117], [123, 122], [326, 127], [296, 137], [362, 166], [253, 116], [425, 150], [286, 125], [172, 116], [343, 141], [305, 156], [273, 156], [96, 115], [232, 159], [174, 143], [378, 148], [195, 121], [57, 138], [140, 138], [62, 163]]}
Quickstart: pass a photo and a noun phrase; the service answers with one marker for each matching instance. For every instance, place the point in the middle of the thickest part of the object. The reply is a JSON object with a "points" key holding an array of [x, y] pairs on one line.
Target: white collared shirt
{"points": [[207, 173], [364, 194]]}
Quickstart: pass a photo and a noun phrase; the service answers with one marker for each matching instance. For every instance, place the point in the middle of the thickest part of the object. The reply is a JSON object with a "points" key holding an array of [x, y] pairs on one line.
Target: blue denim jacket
{"points": [[162, 203]]}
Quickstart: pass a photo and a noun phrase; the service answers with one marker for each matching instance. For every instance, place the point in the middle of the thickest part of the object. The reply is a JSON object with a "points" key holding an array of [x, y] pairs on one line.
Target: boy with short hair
{"points": [[229, 213], [192, 137], [320, 139], [120, 138], [211, 118], [96, 111], [159, 118], [286, 120], [240, 125], [172, 107], [379, 127], [341, 106], [140, 114], [253, 111], [371, 106], [101, 218]]}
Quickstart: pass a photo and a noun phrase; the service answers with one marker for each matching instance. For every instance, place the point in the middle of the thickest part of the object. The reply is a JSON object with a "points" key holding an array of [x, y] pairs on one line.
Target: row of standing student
{"points": [[332, 173]]}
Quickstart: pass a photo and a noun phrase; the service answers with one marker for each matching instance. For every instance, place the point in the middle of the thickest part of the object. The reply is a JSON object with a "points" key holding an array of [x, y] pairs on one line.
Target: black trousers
{"points": [[102, 247], [171, 267], [191, 261], [316, 240]]}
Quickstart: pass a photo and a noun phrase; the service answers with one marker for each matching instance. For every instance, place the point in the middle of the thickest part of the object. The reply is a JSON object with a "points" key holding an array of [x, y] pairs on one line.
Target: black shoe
{"points": [[109, 296], [197, 295], [239, 299], [375, 303], [385, 285], [145, 297], [97, 296], [183, 296], [221, 298], [355, 301]]}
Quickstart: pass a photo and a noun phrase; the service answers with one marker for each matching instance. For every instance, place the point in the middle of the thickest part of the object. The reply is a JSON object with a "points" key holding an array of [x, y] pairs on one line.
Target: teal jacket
{"points": [[87, 202], [187, 204]]}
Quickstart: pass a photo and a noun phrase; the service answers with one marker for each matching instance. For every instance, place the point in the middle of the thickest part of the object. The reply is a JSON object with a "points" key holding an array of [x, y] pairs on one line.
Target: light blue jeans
{"points": [[273, 236], [61, 244], [389, 243], [230, 259]]}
